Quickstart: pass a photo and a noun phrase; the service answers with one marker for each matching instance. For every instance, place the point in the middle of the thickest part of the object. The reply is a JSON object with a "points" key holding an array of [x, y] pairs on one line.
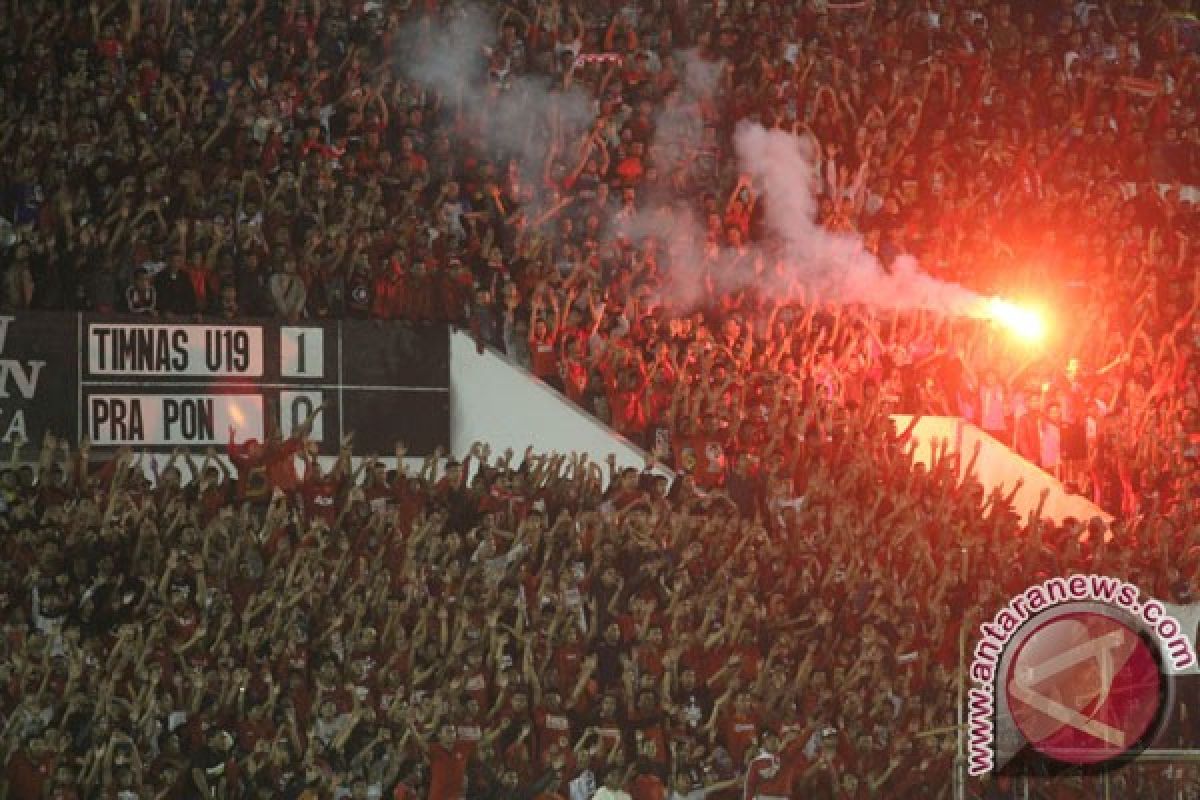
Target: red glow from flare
{"points": [[1023, 323]]}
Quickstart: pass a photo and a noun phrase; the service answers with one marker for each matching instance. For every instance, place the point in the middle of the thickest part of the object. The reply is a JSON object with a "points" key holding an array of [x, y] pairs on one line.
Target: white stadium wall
{"points": [[492, 400], [998, 466]]}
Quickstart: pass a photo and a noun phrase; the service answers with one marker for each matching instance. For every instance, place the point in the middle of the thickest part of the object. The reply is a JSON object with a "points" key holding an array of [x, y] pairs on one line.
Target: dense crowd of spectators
{"points": [[534, 626], [258, 634], [308, 159]]}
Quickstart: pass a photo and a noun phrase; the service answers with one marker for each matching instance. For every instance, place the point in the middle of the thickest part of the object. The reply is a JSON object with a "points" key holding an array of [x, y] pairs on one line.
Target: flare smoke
{"points": [[836, 266]]}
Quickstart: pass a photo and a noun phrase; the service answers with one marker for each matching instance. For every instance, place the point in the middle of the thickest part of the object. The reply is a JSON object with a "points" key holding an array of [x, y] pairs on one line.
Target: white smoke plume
{"points": [[798, 252], [679, 125], [524, 117], [834, 266], [677, 146], [517, 115]]}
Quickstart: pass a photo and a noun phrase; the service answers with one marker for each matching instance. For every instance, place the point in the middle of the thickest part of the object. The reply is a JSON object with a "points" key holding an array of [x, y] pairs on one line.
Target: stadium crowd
{"points": [[539, 626], [528, 623], [312, 159]]}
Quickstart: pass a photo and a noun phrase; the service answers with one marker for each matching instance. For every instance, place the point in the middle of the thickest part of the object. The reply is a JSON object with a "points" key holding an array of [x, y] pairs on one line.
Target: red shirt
{"points": [[25, 777], [387, 299], [551, 727], [575, 379], [448, 771], [252, 480], [568, 658], [710, 460], [205, 284], [250, 732], [409, 503], [628, 411], [470, 734], [543, 353], [320, 499], [476, 684], [647, 787], [456, 293], [654, 734], [630, 170], [737, 734], [420, 299], [110, 49], [279, 460], [771, 775]]}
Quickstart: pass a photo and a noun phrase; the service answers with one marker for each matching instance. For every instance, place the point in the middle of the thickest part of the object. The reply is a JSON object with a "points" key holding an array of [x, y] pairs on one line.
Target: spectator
{"points": [[141, 297], [175, 297], [1026, 149], [288, 293]]}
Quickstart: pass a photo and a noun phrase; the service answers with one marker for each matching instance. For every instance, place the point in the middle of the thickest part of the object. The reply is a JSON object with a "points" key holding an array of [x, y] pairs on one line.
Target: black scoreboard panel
{"points": [[385, 353], [418, 359], [38, 382], [163, 385]]}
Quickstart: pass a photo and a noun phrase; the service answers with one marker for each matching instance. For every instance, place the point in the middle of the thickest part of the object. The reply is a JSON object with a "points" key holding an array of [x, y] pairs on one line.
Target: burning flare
{"points": [[1024, 323]]}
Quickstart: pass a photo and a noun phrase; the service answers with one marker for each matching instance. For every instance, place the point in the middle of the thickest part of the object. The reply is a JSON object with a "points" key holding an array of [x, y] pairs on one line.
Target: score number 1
{"points": [[301, 352]]}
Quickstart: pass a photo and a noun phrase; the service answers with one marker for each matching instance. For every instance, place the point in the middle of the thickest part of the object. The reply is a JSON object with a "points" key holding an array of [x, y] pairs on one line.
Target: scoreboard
{"points": [[152, 385]]}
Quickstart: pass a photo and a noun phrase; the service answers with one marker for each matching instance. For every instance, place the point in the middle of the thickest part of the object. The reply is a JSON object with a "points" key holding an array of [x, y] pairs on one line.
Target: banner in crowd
{"points": [[157, 385]]}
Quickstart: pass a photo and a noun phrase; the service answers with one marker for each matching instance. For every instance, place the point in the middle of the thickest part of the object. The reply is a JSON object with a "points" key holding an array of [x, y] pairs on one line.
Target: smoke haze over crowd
{"points": [[534, 117], [835, 266], [517, 116]]}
